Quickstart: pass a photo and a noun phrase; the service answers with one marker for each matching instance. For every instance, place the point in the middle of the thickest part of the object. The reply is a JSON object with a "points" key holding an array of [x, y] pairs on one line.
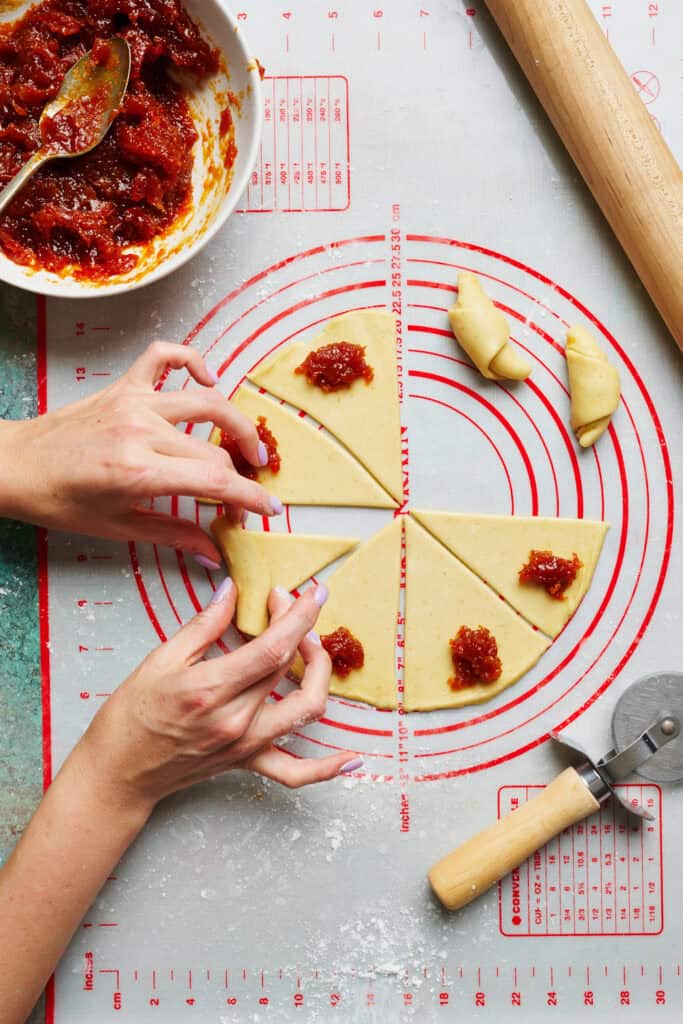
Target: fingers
{"points": [[212, 407], [171, 475], [193, 640], [173, 442], [272, 653], [160, 356], [294, 771], [303, 705], [181, 534]]}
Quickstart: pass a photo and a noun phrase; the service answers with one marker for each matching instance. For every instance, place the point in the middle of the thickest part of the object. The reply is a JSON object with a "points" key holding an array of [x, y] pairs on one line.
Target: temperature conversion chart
{"points": [[401, 145]]}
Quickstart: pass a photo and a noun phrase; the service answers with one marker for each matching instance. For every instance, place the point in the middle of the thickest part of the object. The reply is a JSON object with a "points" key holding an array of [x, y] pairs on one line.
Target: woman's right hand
{"points": [[180, 719]]}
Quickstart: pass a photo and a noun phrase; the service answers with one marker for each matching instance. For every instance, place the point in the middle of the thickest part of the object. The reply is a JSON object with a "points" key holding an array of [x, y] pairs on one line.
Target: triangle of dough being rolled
{"points": [[496, 548], [260, 561], [314, 469], [364, 597], [484, 332], [364, 417], [594, 386], [442, 595]]}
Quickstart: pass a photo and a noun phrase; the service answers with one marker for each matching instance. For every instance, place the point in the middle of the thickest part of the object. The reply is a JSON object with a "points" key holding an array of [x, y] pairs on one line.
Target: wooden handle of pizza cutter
{"points": [[610, 135], [474, 867]]}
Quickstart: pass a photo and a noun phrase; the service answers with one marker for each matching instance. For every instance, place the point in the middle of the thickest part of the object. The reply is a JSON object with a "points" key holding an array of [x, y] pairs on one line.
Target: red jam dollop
{"points": [[345, 651], [554, 574], [244, 468], [474, 653], [82, 213], [336, 366]]}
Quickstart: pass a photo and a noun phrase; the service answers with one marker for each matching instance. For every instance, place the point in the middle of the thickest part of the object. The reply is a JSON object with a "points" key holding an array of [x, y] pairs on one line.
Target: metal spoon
{"points": [[90, 89]]}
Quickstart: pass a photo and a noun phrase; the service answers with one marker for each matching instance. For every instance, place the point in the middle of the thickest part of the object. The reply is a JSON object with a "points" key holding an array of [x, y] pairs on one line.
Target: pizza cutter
{"points": [[647, 727]]}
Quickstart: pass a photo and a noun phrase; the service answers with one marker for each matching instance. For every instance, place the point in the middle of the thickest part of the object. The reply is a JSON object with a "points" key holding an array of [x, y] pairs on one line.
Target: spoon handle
{"points": [[21, 177]]}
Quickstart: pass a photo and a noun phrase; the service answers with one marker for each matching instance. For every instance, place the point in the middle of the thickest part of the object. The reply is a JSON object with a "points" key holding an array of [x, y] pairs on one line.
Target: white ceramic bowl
{"points": [[214, 193]]}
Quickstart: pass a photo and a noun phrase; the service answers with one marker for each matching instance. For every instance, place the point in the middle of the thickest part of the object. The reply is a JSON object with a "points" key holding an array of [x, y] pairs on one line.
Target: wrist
{"points": [[13, 456], [107, 798]]}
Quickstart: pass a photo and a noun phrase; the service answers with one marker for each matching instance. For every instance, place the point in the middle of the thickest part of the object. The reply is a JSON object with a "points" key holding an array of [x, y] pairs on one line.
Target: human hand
{"points": [[179, 719], [92, 466]]}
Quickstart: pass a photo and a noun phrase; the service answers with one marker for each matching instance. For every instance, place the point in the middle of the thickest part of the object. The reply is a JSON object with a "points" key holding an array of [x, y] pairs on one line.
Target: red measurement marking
{"points": [[102, 374], [108, 694], [101, 603], [647, 85], [104, 648]]}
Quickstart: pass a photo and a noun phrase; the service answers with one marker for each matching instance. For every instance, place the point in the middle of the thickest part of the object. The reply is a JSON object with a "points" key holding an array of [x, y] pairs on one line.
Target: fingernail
{"points": [[275, 505], [207, 563], [321, 594], [214, 377], [222, 591], [351, 766], [262, 454], [313, 637], [281, 592]]}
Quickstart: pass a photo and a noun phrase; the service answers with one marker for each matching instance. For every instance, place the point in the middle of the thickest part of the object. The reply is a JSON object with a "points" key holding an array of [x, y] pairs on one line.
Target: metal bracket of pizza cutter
{"points": [[647, 727]]}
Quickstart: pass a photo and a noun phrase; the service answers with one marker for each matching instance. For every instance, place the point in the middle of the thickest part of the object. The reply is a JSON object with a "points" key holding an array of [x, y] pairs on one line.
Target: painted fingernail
{"points": [[207, 563], [321, 594], [351, 766], [214, 377], [276, 506], [313, 637], [262, 454], [281, 592], [222, 591], [244, 516]]}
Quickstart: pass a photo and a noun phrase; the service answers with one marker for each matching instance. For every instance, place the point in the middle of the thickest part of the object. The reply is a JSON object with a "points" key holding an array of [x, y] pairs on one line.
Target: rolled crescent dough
{"points": [[258, 562], [443, 595], [364, 417], [484, 333], [364, 597], [594, 386], [496, 548]]}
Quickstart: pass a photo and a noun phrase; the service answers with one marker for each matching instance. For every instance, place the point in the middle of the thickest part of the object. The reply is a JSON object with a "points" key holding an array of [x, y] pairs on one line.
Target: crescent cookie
{"points": [[594, 386], [484, 333]]}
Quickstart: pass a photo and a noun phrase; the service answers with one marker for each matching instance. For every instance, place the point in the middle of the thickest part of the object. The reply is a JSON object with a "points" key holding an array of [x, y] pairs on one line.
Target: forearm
{"points": [[77, 835]]}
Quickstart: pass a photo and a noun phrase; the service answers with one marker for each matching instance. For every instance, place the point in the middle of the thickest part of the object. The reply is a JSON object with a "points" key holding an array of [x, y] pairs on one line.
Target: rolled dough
{"points": [[484, 333], [594, 386]]}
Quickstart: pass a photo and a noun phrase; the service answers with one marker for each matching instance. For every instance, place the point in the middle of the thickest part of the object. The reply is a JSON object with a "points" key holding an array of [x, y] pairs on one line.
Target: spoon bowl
{"points": [[81, 113]]}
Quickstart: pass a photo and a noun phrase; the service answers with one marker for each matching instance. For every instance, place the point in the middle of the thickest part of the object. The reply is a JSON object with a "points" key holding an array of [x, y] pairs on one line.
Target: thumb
{"points": [[193, 640], [182, 534]]}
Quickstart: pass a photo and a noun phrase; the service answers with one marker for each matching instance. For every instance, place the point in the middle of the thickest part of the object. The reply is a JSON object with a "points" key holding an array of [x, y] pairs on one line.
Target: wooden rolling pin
{"points": [[479, 863], [610, 135]]}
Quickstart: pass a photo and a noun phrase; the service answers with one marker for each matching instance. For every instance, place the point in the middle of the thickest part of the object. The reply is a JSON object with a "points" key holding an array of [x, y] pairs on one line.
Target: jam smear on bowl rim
{"points": [[336, 366], [474, 653], [81, 214], [553, 573], [345, 651]]}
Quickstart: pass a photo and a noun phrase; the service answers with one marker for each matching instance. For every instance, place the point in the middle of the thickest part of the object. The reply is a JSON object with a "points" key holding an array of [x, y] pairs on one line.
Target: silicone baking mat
{"points": [[401, 144]]}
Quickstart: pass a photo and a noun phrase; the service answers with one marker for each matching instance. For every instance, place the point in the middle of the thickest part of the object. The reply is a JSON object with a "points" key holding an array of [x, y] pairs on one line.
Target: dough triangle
{"points": [[260, 561], [364, 417], [442, 595], [315, 470], [364, 597], [496, 548]]}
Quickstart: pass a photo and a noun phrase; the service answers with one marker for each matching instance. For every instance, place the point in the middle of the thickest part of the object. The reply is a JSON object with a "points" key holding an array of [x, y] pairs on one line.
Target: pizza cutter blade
{"points": [[647, 727]]}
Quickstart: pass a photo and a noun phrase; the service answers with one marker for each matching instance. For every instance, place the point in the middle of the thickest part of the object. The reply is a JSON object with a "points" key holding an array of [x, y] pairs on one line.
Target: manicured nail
{"points": [[281, 592], [222, 591], [313, 637], [214, 377], [321, 594], [244, 516], [275, 505], [207, 563], [351, 766], [262, 454]]}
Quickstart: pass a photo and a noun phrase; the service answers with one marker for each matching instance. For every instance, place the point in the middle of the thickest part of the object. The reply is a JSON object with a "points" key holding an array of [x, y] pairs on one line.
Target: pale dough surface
{"points": [[484, 332], [259, 561], [315, 470], [496, 548], [364, 417], [442, 595], [364, 597], [594, 386]]}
